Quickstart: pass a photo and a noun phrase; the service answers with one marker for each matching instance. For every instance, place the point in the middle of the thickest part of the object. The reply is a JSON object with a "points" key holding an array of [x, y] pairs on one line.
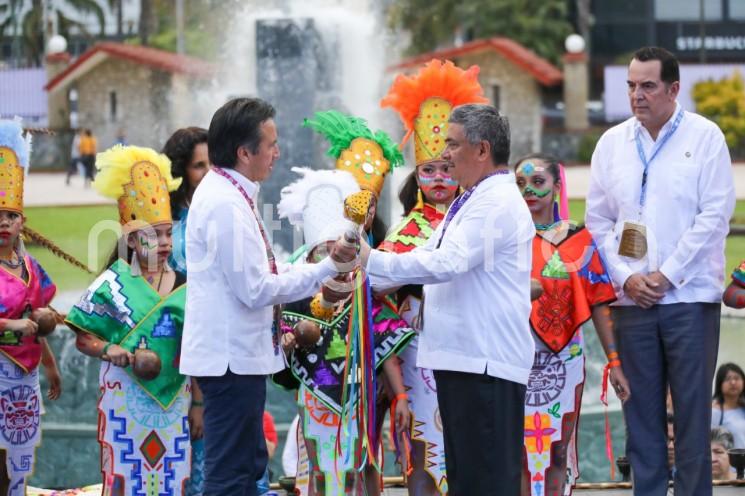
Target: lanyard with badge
{"points": [[633, 242], [454, 208], [277, 310]]}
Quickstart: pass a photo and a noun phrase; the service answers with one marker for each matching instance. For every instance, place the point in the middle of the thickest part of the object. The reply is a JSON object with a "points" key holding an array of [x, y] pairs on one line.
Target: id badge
{"points": [[633, 240]]}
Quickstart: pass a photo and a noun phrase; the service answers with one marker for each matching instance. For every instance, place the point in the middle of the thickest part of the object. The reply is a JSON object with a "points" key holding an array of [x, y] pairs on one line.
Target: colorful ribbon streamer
{"points": [[604, 401]]}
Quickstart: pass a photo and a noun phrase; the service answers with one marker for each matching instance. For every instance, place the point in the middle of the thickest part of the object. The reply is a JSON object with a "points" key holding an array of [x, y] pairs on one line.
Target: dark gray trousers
{"points": [[673, 344]]}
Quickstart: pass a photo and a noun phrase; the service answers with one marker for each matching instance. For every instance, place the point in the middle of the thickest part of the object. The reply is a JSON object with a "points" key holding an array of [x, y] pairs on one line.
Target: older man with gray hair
{"points": [[476, 275]]}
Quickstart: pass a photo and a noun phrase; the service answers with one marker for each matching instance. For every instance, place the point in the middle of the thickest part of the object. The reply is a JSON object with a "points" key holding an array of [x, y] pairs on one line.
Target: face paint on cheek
{"points": [[427, 184], [146, 245], [538, 193]]}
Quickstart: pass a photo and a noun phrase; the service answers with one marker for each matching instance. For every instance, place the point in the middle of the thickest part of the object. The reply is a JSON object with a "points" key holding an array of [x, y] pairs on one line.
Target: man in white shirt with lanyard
{"points": [[660, 199], [230, 342], [476, 275]]}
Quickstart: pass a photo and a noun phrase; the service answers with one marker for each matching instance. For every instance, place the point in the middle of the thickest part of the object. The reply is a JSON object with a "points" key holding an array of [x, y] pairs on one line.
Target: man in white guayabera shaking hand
{"points": [[476, 275], [230, 340]]}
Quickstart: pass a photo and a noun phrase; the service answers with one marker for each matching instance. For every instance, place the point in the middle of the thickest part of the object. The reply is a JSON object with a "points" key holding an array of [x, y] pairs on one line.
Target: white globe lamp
{"points": [[56, 44], [574, 43]]}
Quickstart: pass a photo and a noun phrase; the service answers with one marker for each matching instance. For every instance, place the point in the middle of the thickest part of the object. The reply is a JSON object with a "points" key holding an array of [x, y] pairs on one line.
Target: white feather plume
{"points": [[294, 198]]}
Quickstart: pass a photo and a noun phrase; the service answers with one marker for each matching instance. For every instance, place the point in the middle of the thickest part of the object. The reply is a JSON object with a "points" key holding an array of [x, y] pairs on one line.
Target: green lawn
{"points": [[69, 228]]}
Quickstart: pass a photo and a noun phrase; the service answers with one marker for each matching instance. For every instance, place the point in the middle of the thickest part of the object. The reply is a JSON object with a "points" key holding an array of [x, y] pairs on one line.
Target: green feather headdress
{"points": [[340, 130], [368, 156]]}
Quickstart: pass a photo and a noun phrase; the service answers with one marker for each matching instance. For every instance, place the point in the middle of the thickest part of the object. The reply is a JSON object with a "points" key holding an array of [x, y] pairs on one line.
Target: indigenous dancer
{"points": [[25, 292], [134, 308], [187, 151], [424, 103], [339, 420], [368, 156], [734, 295], [576, 288]]}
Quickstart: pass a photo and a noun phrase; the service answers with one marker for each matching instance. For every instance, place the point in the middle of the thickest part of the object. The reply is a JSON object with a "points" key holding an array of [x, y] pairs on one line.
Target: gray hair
{"points": [[483, 123], [722, 436]]}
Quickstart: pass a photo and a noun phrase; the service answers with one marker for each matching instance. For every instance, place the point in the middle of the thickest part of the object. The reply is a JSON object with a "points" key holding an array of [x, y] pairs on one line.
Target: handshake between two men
{"points": [[348, 253]]}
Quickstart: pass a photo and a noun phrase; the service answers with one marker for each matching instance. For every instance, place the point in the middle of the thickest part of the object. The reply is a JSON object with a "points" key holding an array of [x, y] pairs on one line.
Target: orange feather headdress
{"points": [[424, 103]]}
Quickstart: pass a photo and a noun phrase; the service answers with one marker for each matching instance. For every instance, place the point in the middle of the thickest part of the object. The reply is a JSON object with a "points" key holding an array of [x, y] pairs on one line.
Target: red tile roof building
{"points": [[514, 78], [141, 92]]}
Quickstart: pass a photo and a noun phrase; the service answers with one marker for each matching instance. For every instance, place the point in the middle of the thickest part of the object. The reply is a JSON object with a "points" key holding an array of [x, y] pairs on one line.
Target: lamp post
{"points": [[575, 84], [56, 60]]}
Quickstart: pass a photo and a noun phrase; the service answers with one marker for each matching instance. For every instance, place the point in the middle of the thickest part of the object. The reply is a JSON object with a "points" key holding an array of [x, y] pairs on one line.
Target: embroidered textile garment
{"points": [[574, 280], [124, 309], [17, 297], [145, 449], [426, 425], [20, 422]]}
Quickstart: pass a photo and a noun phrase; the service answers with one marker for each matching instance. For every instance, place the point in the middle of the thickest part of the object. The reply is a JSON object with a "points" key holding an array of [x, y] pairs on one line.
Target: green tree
{"points": [[723, 102], [203, 25], [25, 21], [540, 25]]}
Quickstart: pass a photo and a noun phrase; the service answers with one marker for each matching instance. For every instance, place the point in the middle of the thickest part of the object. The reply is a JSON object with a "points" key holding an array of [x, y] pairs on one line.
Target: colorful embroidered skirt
{"points": [[20, 422], [144, 449], [552, 404], [426, 425]]}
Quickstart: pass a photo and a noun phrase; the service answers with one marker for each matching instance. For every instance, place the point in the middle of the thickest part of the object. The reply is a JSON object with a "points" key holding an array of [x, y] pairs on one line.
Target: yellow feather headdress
{"points": [[140, 180]]}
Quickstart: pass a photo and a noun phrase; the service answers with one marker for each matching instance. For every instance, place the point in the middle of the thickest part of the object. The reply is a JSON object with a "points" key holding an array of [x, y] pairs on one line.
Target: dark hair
{"points": [[236, 124], [409, 192], [720, 377], [552, 164], [670, 72], [378, 231], [120, 246], [180, 149], [483, 123]]}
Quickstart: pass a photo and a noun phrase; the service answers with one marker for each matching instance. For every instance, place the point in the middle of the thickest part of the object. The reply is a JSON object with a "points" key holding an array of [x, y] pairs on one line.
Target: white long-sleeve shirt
{"points": [[230, 290], [689, 201], [477, 285]]}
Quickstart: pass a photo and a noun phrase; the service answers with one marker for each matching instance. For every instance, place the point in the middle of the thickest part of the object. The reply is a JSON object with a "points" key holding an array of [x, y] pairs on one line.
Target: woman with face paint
{"points": [[424, 103], [425, 196], [576, 288], [25, 293], [133, 309]]}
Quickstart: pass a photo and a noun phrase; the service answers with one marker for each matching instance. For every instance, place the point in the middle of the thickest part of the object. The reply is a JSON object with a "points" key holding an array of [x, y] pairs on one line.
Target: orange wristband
{"points": [[402, 396], [612, 355], [614, 363]]}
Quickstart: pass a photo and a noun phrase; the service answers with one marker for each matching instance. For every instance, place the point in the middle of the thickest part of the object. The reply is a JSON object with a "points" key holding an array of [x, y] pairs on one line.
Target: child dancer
{"points": [[136, 305]]}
